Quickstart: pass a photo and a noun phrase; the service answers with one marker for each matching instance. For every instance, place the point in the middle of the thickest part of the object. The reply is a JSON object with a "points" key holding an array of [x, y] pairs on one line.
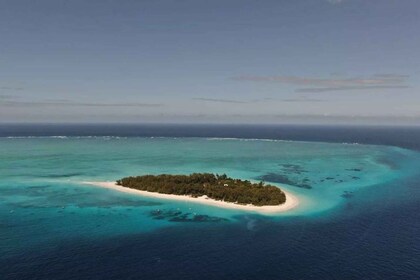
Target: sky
{"points": [[219, 61]]}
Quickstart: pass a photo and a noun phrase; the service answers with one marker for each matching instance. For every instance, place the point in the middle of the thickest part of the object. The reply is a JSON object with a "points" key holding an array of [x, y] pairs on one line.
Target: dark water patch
{"points": [[402, 136], [24, 191], [117, 202], [179, 216], [355, 178], [347, 194], [293, 168], [60, 200], [283, 179], [161, 214], [63, 175], [207, 218], [387, 162], [255, 222], [367, 246], [34, 204], [354, 169], [38, 187], [4, 225]]}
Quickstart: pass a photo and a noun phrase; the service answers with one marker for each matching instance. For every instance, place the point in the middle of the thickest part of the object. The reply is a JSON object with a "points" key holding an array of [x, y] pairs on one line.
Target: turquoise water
{"points": [[42, 192], [44, 205]]}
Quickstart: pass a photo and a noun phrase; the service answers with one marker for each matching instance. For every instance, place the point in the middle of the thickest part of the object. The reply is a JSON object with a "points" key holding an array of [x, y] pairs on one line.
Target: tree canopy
{"points": [[218, 187]]}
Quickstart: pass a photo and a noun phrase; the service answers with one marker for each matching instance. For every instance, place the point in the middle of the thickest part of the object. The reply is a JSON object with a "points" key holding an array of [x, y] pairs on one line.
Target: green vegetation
{"points": [[218, 187]]}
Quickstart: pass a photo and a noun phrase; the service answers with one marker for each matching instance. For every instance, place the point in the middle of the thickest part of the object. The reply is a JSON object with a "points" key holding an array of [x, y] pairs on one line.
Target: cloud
{"points": [[308, 81], [11, 88], [7, 93], [329, 89], [378, 81], [220, 100], [302, 100], [299, 99], [5, 96], [335, 2], [392, 76], [76, 104]]}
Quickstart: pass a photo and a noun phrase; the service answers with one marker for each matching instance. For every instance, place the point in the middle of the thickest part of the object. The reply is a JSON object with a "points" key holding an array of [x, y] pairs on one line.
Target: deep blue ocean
{"points": [[358, 217]]}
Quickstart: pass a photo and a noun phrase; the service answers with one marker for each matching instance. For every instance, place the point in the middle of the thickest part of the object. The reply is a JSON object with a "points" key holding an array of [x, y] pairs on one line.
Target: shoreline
{"points": [[291, 200]]}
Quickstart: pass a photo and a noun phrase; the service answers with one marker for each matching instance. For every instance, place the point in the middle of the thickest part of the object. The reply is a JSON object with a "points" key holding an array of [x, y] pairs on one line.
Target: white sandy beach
{"points": [[291, 200]]}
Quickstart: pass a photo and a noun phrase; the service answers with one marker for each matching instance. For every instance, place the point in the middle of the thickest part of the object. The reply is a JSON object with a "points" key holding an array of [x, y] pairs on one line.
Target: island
{"points": [[208, 188], [218, 187]]}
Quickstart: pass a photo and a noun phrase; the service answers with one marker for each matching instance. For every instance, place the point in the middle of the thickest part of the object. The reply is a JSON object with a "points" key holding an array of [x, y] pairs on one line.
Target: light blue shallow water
{"points": [[41, 178], [43, 203]]}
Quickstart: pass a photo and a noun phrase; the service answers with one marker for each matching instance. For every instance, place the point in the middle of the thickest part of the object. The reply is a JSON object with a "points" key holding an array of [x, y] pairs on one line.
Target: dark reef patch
{"points": [[179, 216], [115, 202], [354, 169], [293, 168], [387, 162], [283, 179], [347, 194], [64, 175]]}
